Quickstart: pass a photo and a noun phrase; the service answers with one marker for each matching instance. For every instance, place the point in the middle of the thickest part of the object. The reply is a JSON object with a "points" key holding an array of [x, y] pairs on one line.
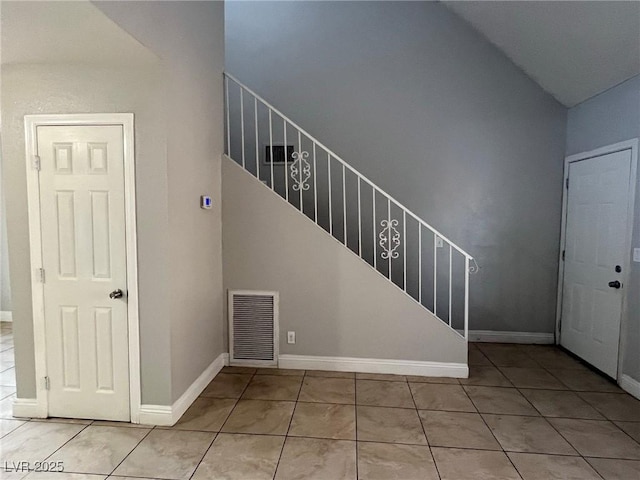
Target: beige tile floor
{"points": [[526, 412]]}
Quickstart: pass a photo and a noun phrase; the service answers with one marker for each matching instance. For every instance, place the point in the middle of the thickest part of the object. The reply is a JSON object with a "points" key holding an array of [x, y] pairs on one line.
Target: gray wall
{"points": [[336, 304], [28, 89], [189, 38], [323, 202], [611, 117], [419, 102], [177, 102], [608, 118]]}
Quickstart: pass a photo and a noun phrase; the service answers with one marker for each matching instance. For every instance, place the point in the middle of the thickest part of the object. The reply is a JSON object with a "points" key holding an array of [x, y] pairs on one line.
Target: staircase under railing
{"points": [[399, 245]]}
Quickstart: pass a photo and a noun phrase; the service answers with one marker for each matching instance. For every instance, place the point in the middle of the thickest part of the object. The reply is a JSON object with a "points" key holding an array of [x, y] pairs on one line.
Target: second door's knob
{"points": [[116, 294]]}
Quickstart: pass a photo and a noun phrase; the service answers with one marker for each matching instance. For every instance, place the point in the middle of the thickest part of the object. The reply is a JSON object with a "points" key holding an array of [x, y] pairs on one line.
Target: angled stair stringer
{"points": [[346, 316]]}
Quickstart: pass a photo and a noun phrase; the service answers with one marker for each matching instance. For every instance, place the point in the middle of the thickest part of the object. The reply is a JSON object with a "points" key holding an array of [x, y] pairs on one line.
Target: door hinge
{"points": [[47, 384], [35, 162], [566, 183], [41, 275], [563, 254]]}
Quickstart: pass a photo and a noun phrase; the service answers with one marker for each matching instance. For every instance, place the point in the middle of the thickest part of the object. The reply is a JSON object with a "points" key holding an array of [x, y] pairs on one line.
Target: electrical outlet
{"points": [[636, 254], [439, 242], [291, 337]]}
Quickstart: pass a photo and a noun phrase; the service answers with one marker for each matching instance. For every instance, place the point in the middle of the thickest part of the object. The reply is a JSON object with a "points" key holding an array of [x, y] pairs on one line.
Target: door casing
{"points": [[631, 145], [125, 120]]}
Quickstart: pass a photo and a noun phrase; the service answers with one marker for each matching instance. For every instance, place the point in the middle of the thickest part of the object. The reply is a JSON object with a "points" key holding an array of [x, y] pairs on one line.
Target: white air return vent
{"points": [[253, 328]]}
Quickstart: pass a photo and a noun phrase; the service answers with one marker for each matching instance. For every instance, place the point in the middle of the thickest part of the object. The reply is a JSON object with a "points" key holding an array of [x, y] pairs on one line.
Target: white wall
{"points": [[337, 305], [5, 287], [415, 99], [611, 117]]}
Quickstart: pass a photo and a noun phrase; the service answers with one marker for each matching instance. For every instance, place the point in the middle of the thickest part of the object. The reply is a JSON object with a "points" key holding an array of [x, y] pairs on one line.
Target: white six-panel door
{"points": [[82, 207], [595, 254]]}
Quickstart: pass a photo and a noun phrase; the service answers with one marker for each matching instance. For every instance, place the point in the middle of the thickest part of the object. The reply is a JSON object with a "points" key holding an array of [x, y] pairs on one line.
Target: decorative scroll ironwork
{"points": [[385, 239], [389, 239], [474, 268], [300, 171]]}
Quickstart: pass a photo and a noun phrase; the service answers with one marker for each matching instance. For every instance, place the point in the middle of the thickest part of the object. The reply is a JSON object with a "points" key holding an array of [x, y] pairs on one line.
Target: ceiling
{"points": [[573, 49], [65, 32]]}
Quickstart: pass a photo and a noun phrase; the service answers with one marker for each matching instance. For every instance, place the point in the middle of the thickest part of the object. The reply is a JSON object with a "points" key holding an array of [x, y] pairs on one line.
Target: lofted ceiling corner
{"points": [[572, 49], [66, 32]]}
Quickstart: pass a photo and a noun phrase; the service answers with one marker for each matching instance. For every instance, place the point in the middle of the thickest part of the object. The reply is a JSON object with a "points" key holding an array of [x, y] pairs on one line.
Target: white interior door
{"points": [[84, 258], [595, 254]]}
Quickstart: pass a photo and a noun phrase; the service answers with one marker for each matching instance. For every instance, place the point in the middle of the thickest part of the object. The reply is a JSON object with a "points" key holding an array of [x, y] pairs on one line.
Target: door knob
{"points": [[116, 294], [615, 284]]}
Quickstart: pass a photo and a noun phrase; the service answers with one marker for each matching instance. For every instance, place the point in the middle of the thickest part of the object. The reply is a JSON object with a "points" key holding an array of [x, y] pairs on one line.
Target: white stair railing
{"points": [[392, 239]]}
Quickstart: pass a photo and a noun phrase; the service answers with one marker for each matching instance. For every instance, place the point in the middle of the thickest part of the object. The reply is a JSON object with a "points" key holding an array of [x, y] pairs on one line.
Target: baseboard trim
{"points": [[156, 415], [374, 365], [29, 408], [168, 415], [6, 316], [490, 336], [630, 385], [189, 396]]}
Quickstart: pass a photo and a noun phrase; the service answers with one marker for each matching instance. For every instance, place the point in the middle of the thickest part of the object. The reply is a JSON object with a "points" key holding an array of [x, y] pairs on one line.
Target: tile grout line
{"points": [[567, 389], [550, 370], [204, 454], [614, 424], [593, 468], [580, 455], [406, 381], [237, 400], [606, 418], [568, 418], [526, 399], [65, 443], [424, 431], [131, 451], [15, 429], [548, 422], [380, 441], [327, 438], [504, 452], [286, 435], [355, 414], [384, 442], [577, 393], [217, 434]]}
